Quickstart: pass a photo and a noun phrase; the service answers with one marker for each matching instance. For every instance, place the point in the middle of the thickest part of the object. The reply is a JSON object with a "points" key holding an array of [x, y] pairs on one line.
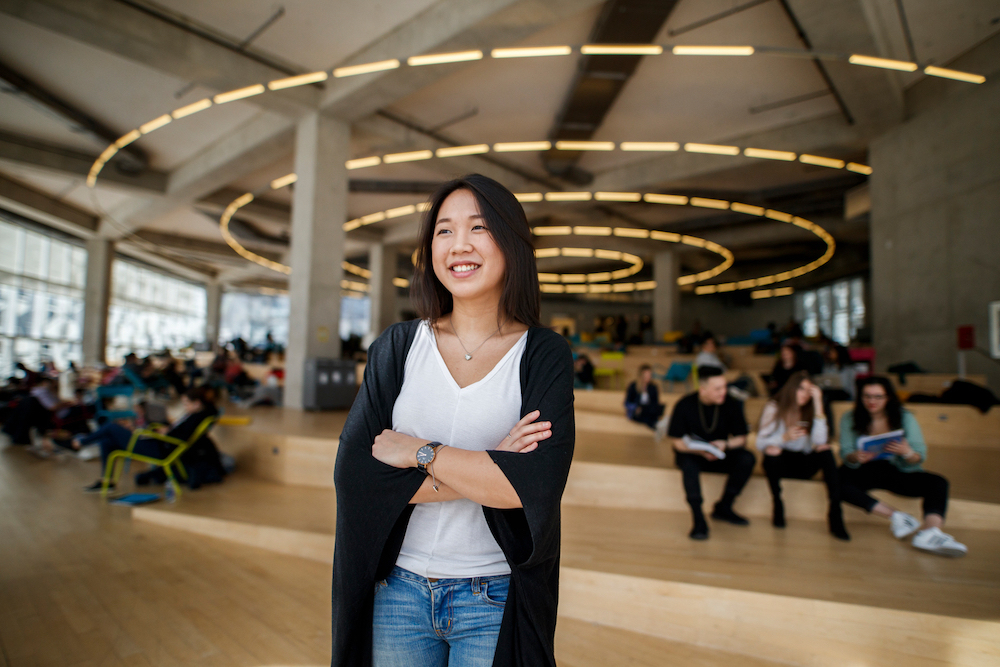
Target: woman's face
{"points": [[804, 393], [874, 398], [787, 357], [646, 376], [464, 255]]}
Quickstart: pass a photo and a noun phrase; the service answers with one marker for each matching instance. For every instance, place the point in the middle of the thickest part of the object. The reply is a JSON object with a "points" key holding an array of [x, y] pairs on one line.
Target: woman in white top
{"points": [[455, 525], [793, 436]]}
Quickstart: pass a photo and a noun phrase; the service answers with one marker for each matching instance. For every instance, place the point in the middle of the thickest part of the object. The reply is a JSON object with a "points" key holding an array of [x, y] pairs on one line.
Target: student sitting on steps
{"points": [[793, 436], [711, 416], [877, 411]]}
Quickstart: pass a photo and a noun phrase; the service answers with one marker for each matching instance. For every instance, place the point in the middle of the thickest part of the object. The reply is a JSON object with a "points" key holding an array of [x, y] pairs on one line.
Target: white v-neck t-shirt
{"points": [[451, 539]]}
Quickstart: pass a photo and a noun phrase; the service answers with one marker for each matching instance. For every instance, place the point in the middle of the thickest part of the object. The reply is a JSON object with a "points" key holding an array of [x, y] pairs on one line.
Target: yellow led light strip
{"points": [[593, 50], [624, 232]]}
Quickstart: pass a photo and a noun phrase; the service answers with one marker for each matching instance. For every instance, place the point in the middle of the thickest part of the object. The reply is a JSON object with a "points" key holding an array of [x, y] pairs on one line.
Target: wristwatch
{"points": [[426, 454]]}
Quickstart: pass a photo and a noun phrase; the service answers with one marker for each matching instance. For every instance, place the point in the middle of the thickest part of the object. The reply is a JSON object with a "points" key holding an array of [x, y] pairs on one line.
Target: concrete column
{"points": [[319, 207], [382, 260], [213, 312], [96, 299], [666, 296]]}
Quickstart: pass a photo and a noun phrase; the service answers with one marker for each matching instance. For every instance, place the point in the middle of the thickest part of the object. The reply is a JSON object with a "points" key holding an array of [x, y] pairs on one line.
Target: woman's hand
{"points": [[795, 433], [397, 449], [900, 448], [817, 398], [822, 448], [773, 450], [860, 457], [526, 434]]}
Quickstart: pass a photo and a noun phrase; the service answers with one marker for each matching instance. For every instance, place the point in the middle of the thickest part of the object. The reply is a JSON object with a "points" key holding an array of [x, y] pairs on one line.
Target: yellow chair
{"points": [[112, 472]]}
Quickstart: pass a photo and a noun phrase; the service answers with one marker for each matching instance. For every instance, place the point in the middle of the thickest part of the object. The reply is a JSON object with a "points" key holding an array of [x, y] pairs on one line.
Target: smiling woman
{"points": [[448, 479]]}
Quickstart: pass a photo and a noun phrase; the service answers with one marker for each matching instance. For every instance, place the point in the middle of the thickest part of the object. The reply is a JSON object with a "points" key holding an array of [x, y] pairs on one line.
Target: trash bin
{"points": [[330, 384]]}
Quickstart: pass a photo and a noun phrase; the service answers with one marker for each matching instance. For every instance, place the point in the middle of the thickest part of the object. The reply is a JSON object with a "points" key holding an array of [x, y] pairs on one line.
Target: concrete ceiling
{"points": [[123, 62]]}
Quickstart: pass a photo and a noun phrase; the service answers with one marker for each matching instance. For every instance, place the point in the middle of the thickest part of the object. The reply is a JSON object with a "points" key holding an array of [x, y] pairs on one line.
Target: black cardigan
{"points": [[373, 502]]}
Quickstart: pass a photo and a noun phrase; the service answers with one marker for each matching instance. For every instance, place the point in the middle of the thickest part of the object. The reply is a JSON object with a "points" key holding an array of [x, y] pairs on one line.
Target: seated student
{"points": [[793, 436], [877, 411], [642, 401], [711, 415], [789, 361], [583, 371], [709, 354], [197, 405], [113, 435]]}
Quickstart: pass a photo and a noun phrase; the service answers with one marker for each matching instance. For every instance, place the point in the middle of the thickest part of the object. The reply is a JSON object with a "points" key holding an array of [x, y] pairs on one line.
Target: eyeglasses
{"points": [[874, 397]]}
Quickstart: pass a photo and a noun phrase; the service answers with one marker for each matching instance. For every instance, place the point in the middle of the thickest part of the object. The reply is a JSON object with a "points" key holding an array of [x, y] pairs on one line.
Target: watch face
{"points": [[425, 455]]}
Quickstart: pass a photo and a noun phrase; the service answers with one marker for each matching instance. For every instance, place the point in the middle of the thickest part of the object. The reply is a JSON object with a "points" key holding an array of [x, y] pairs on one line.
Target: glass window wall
{"points": [[152, 311], [41, 298]]}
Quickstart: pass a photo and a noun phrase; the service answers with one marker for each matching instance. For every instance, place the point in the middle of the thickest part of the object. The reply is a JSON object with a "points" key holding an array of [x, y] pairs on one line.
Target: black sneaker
{"points": [[728, 515], [700, 529], [96, 487]]}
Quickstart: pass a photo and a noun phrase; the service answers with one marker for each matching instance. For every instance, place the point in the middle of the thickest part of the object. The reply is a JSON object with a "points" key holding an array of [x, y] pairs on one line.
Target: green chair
{"points": [[113, 472]]}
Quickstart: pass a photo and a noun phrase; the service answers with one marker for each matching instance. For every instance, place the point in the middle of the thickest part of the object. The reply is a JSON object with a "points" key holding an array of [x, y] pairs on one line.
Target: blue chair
{"points": [[112, 392], [678, 372]]}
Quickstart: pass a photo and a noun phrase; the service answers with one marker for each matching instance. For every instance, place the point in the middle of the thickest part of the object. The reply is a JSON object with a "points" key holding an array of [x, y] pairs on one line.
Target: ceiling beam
{"points": [[599, 80], [873, 97], [203, 246], [40, 205], [447, 25], [133, 158], [62, 160], [139, 36]]}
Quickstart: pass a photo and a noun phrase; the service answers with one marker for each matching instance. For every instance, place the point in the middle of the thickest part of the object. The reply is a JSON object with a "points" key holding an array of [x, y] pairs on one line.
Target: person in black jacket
{"points": [[642, 399], [197, 407], [454, 457]]}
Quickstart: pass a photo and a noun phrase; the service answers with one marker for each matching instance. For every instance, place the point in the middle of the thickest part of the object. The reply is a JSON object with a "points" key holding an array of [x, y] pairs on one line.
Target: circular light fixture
{"points": [[653, 50]]}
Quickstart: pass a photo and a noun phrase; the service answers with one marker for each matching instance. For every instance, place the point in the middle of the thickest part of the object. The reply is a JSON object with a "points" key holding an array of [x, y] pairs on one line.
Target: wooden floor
{"points": [[82, 585], [245, 580]]}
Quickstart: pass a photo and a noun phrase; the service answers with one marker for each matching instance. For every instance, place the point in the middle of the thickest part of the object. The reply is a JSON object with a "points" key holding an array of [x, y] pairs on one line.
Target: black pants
{"points": [[738, 464], [856, 482], [648, 414], [802, 465]]}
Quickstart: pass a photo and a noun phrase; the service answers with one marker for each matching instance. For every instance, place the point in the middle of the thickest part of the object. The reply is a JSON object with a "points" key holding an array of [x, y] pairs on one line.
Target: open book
{"points": [[875, 444], [702, 446]]}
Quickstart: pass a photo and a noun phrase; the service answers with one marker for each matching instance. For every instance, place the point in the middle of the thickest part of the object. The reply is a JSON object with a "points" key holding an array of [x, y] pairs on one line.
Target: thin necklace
{"points": [[468, 355], [715, 419]]}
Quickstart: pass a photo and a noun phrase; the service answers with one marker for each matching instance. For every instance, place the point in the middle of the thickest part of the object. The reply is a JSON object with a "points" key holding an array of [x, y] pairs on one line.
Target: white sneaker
{"points": [[939, 542], [661, 429], [903, 524], [89, 452]]}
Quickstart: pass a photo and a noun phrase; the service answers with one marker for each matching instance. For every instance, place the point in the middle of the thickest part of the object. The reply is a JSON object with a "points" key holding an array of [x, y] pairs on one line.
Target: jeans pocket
{"points": [[379, 585], [494, 591]]}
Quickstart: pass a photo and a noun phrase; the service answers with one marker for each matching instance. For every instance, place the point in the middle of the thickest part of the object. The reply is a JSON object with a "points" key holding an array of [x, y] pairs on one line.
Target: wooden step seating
{"points": [[632, 582]]}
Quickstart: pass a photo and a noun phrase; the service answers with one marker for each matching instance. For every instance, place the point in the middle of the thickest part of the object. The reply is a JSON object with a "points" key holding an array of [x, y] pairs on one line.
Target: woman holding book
{"points": [[895, 466], [793, 437]]}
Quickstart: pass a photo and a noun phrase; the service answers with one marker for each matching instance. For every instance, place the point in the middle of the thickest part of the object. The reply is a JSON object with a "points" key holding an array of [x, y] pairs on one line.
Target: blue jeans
{"points": [[437, 622]]}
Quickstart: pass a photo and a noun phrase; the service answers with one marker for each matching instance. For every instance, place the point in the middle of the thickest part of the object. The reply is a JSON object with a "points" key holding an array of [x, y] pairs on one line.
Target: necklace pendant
{"points": [[468, 357]]}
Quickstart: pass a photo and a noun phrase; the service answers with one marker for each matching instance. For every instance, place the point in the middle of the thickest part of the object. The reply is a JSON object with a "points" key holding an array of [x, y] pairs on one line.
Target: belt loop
{"points": [[475, 585]]}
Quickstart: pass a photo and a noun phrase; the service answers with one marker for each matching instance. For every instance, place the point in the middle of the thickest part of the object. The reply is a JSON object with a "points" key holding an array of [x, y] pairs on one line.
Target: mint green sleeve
{"points": [[913, 435], [848, 438]]}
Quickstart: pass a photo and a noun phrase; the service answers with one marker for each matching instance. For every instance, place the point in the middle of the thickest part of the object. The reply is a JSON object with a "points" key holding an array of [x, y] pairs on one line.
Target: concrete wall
{"points": [[935, 232], [723, 317]]}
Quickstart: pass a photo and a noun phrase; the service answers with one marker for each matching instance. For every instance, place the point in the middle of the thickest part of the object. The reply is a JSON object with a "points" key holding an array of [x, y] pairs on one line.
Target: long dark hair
{"points": [[508, 226], [893, 407], [787, 400]]}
